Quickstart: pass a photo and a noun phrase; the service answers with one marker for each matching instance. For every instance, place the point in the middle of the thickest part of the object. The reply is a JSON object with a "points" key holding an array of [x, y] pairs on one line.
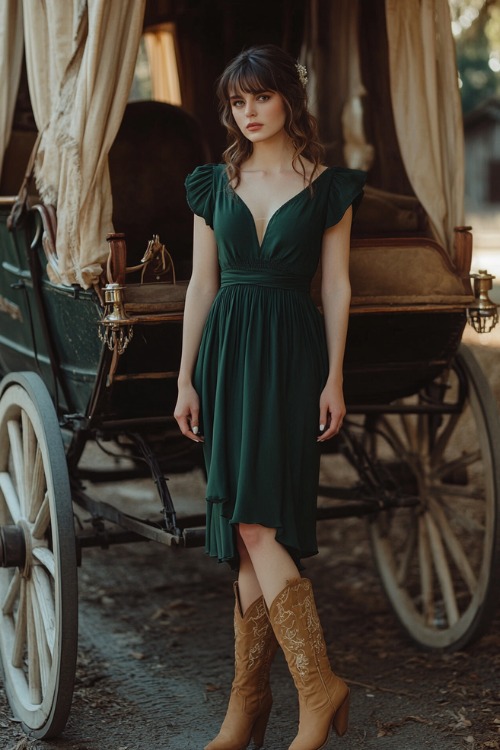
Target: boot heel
{"points": [[260, 726], [341, 719]]}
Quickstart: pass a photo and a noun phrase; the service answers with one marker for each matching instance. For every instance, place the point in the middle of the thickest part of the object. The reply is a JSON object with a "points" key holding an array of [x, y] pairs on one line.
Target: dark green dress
{"points": [[263, 360]]}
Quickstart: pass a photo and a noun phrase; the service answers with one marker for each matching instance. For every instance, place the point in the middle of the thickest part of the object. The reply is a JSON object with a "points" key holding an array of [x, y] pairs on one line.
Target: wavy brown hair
{"points": [[267, 68]]}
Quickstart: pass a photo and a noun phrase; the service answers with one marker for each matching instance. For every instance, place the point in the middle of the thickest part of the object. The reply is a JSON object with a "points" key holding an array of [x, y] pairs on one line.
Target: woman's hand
{"points": [[187, 412], [331, 410]]}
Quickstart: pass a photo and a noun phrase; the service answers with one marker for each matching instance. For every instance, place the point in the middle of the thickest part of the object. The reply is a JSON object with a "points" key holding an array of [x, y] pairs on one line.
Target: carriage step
{"points": [[194, 537]]}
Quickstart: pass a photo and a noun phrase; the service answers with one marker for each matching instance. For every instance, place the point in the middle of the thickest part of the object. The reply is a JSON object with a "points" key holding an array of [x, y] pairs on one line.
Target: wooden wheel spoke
{"points": [[42, 520], [12, 594], [442, 571], [453, 545], [34, 676], [10, 496], [46, 557], [16, 452], [410, 428], [38, 610], [37, 486], [395, 440], [443, 439], [20, 628], [422, 430], [470, 492], [467, 458], [45, 603], [465, 520], [29, 453], [425, 565]]}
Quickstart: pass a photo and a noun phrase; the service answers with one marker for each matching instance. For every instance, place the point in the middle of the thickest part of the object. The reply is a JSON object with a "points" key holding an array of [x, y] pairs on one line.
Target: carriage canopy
{"points": [[80, 59]]}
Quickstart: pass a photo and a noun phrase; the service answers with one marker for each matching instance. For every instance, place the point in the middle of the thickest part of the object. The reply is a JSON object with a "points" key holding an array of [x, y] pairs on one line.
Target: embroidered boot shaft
{"points": [[250, 703], [323, 697]]}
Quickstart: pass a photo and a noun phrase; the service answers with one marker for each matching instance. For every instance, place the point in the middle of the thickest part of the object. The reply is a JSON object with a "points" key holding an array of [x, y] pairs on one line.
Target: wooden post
{"points": [[117, 260], [463, 255]]}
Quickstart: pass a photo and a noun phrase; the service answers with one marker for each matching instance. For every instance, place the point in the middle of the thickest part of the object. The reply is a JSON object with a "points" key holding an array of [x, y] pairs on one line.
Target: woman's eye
{"points": [[238, 103], [264, 97]]}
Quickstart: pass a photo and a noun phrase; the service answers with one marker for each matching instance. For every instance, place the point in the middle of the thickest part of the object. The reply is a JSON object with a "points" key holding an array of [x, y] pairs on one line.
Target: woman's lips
{"points": [[254, 126]]}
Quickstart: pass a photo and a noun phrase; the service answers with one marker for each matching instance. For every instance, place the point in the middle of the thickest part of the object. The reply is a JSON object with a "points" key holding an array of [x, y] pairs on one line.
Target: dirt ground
{"points": [[155, 651]]}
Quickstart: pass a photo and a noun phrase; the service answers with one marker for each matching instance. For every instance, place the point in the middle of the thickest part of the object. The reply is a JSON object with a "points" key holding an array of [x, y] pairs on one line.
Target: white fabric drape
{"points": [[427, 112], [331, 54], [11, 55], [50, 32], [160, 47], [80, 71], [358, 154]]}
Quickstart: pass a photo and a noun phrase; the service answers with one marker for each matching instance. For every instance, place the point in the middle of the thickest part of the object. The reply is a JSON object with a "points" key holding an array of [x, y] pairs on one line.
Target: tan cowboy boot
{"points": [[323, 697], [250, 703]]}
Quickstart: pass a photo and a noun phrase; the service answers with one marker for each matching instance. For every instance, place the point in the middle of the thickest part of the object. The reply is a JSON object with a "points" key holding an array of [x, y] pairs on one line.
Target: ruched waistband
{"points": [[264, 277]]}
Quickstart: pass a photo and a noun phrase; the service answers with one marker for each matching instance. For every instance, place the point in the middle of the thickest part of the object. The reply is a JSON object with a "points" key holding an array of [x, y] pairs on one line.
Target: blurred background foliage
{"points": [[476, 28]]}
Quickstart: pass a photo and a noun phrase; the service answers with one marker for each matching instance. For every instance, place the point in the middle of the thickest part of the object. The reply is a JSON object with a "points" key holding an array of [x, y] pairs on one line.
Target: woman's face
{"points": [[260, 116]]}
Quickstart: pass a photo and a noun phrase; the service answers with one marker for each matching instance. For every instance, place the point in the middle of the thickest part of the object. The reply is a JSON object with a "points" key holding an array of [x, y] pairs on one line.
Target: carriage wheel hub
{"points": [[12, 547]]}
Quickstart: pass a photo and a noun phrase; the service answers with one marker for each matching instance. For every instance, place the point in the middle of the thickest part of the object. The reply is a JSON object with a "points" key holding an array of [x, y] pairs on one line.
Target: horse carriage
{"points": [[90, 332]]}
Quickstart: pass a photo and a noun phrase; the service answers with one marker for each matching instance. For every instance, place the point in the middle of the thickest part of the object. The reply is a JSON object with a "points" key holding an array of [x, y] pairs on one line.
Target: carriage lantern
{"points": [[114, 329], [482, 315]]}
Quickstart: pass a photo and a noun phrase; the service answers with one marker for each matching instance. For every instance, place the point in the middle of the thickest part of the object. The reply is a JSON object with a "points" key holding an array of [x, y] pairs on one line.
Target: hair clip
{"points": [[302, 73]]}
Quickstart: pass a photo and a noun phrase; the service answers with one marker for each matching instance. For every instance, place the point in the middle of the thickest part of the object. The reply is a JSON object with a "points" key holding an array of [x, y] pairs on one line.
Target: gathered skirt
{"points": [[259, 374]]}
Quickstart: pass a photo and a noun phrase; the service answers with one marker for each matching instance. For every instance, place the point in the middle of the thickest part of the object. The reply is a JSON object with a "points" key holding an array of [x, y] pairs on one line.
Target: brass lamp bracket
{"points": [[115, 328], [482, 314]]}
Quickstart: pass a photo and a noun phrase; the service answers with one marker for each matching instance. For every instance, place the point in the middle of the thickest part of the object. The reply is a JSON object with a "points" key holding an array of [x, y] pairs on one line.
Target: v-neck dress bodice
{"points": [[263, 360]]}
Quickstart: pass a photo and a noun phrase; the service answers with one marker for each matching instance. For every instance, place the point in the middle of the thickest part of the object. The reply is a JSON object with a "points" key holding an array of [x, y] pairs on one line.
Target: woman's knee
{"points": [[242, 550], [254, 534]]}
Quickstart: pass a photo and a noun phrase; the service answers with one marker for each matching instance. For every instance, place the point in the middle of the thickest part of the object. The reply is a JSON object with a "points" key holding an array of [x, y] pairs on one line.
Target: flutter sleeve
{"points": [[200, 192], [346, 189]]}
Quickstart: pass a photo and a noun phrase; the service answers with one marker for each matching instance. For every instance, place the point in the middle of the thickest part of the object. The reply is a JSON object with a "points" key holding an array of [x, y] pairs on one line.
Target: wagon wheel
{"points": [[439, 560], [38, 580]]}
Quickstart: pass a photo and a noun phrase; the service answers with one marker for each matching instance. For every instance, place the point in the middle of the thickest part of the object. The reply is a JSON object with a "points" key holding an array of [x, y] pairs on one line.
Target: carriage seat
{"points": [[385, 273], [382, 213], [389, 273], [395, 262], [410, 270], [156, 147]]}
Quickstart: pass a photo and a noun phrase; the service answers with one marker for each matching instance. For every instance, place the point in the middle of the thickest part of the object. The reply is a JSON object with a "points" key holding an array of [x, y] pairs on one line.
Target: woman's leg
{"points": [[272, 566], [248, 585], [323, 697], [255, 646]]}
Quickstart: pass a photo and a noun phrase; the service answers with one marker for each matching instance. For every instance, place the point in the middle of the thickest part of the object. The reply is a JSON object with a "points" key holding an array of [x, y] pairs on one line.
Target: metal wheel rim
{"points": [[38, 612]]}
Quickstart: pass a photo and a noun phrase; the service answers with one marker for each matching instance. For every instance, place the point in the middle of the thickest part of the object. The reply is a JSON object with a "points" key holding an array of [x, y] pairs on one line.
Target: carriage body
{"points": [[68, 378]]}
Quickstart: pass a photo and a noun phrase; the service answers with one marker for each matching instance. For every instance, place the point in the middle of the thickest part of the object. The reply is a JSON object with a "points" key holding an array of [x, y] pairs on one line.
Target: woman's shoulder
{"points": [[345, 189], [347, 176], [201, 184], [203, 179], [204, 173], [337, 178], [343, 181]]}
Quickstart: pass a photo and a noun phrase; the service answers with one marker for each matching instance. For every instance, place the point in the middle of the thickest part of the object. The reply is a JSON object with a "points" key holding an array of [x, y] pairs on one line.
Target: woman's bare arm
{"points": [[335, 298], [200, 294]]}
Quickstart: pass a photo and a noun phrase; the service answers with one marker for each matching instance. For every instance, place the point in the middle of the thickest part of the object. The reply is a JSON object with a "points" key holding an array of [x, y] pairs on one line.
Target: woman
{"points": [[260, 378]]}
